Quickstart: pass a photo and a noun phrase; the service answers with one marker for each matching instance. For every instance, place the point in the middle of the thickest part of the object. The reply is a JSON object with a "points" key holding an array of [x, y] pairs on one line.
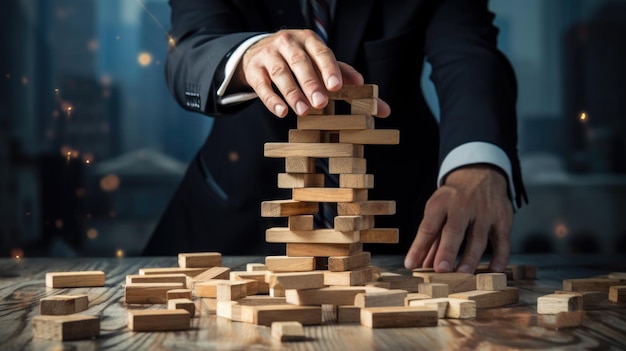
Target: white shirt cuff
{"points": [[230, 68], [477, 152]]}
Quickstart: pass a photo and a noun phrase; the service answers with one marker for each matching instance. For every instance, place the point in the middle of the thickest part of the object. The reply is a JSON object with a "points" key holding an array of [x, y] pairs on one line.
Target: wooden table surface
{"points": [[22, 285]]}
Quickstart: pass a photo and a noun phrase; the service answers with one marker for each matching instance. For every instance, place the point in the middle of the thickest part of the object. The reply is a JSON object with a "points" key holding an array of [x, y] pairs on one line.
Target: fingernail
{"points": [[465, 268], [279, 110], [409, 263], [444, 266], [301, 108], [318, 98], [333, 82]]}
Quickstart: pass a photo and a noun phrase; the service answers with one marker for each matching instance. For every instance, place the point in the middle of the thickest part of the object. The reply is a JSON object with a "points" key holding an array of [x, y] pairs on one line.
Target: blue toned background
{"points": [[92, 145]]}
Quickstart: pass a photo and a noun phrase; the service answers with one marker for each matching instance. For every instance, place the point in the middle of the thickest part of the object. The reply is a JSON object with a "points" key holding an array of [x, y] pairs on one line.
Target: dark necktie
{"points": [[321, 18]]}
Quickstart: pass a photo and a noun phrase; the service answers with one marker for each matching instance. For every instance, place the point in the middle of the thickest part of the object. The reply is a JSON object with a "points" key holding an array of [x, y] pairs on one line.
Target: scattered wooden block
{"points": [[232, 290], [405, 282], [489, 299], [287, 331], [346, 263], [457, 282], [560, 320], [63, 304], [335, 295], [414, 297], [182, 304], [157, 278], [555, 303], [255, 267], [178, 294], [158, 320], [348, 278], [148, 293], [433, 289], [208, 288], [290, 264], [199, 260], [394, 297], [589, 284], [617, 293], [296, 280], [190, 272], [590, 299], [229, 310], [455, 308], [398, 317], [259, 276], [266, 315], [63, 328], [76, 279], [209, 274], [491, 281], [348, 314]]}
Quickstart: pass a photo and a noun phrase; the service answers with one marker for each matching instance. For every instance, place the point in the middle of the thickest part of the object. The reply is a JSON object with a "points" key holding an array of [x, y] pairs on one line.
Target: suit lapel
{"points": [[354, 16]]}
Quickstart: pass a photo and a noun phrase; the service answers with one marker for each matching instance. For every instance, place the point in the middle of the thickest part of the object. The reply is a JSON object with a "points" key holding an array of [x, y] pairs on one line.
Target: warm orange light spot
{"points": [[17, 253], [92, 233], [110, 183], [119, 253], [144, 59], [58, 223], [583, 116], [560, 230]]}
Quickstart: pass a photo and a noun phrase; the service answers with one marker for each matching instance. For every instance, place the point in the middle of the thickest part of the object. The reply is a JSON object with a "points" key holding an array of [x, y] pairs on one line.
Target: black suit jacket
{"points": [[217, 205]]}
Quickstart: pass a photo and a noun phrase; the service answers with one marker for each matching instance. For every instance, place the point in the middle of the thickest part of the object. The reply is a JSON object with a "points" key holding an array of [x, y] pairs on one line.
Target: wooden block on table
{"points": [[323, 150], [199, 259], [348, 314], [560, 320], [353, 223], [301, 222], [300, 180], [290, 264], [334, 295], [449, 307], [255, 267], [182, 304], [372, 207], [208, 288], [433, 289], [287, 331], [380, 236], [530, 272], [489, 299], [319, 236], [63, 304], [229, 310], [392, 297], [555, 303], [277, 291], [235, 289], [68, 327], [590, 299], [189, 272], [284, 208], [356, 181], [617, 293], [414, 297], [347, 165], [368, 106], [348, 92], [262, 300], [405, 282], [296, 280], [357, 276], [266, 315], [619, 276], [259, 276], [157, 278], [335, 122], [491, 281], [158, 320], [329, 194], [457, 282], [304, 136], [209, 274], [75, 279], [181, 293], [317, 250], [370, 136], [346, 263], [300, 164], [148, 293], [398, 317], [589, 284]]}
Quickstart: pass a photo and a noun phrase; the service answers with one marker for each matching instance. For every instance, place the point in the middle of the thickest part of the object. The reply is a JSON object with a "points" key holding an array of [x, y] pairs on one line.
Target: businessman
{"points": [[253, 65]]}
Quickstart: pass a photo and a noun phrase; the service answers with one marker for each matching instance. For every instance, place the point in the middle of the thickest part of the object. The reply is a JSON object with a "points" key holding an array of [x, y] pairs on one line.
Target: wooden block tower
{"points": [[339, 140]]}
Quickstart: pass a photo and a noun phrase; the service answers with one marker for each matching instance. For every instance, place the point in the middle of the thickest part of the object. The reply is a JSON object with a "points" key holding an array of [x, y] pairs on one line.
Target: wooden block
{"points": [[335, 295], [294, 249], [76, 279], [348, 278], [335, 122], [555, 303], [364, 208], [489, 299], [589, 284], [300, 180], [266, 315], [68, 327], [590, 299], [158, 320], [620, 276], [449, 307], [148, 293], [300, 164], [398, 317], [262, 300], [233, 290], [348, 314], [380, 236], [414, 297], [279, 150], [329, 194], [290, 264], [356, 181], [178, 294], [560, 320], [347, 165], [348, 92], [353, 223], [63, 304], [457, 282], [277, 291], [328, 110], [287, 331], [190, 272], [199, 260], [295, 280], [255, 267], [229, 310], [157, 278], [346, 263], [433, 289], [302, 222], [259, 276], [182, 304], [617, 293], [364, 106], [393, 297], [370, 136], [209, 274], [491, 281], [530, 272], [304, 136], [208, 288], [405, 282], [515, 272], [320, 236], [284, 208]]}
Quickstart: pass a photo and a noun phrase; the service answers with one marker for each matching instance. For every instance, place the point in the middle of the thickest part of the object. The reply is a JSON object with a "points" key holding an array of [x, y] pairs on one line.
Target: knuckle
{"points": [[277, 70]]}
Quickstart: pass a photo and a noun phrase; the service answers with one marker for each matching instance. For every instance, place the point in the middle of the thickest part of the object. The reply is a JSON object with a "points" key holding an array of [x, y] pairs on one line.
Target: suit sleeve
{"points": [[475, 82]]}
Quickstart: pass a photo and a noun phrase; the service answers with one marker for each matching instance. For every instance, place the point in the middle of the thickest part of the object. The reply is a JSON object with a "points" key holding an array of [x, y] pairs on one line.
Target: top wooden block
{"points": [[348, 92], [77, 279], [199, 260]]}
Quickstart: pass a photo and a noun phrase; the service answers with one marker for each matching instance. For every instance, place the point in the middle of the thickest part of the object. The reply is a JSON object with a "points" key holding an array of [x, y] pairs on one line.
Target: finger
{"points": [[427, 233], [501, 243], [261, 84], [475, 247], [350, 75], [383, 109], [452, 236], [430, 257], [324, 61]]}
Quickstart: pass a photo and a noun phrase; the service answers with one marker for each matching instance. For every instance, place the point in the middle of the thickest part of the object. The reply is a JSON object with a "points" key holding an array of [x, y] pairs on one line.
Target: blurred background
{"points": [[92, 145]]}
